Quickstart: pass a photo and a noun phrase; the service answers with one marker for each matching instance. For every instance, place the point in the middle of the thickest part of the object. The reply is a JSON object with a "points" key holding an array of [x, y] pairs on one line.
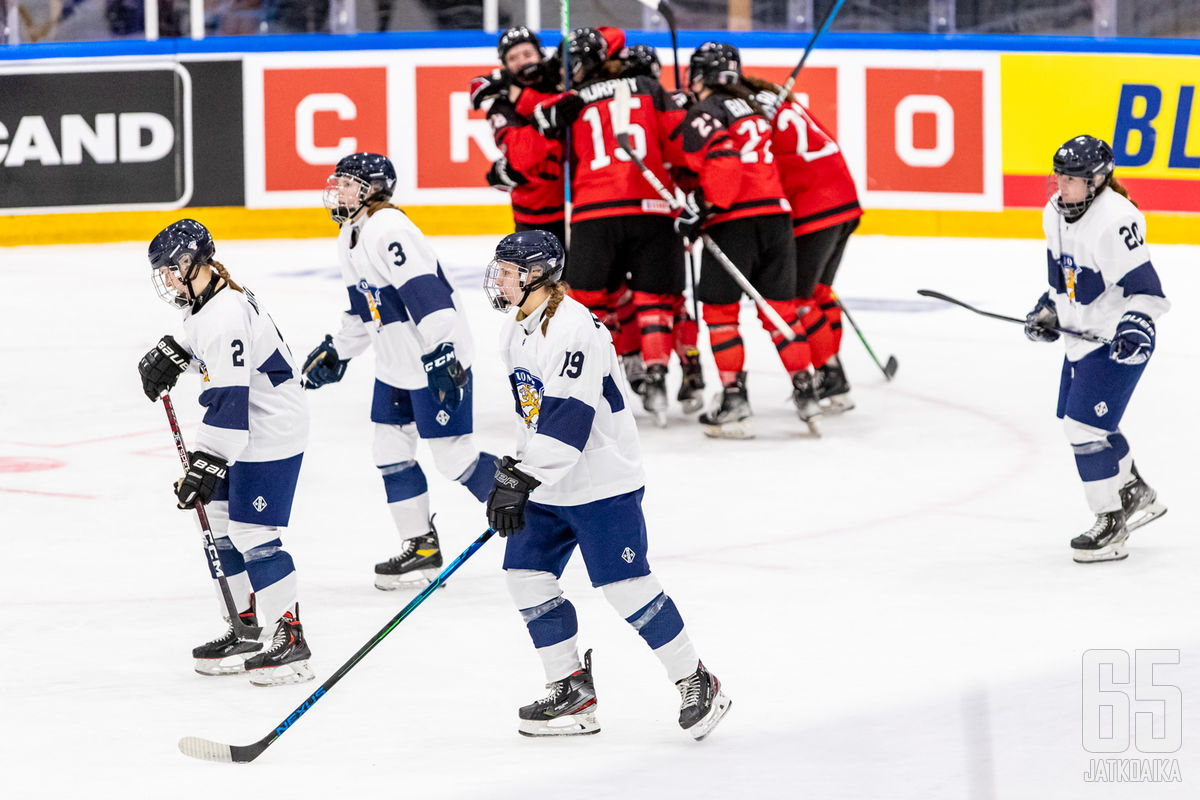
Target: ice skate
{"points": [[730, 416], [635, 371], [691, 389], [833, 390], [1104, 541], [227, 654], [418, 563], [1140, 503], [804, 395], [569, 709], [654, 393], [286, 660], [702, 704]]}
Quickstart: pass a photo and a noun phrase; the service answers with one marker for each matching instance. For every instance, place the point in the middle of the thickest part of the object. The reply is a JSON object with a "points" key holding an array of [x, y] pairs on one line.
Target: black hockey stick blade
{"points": [[889, 369]]}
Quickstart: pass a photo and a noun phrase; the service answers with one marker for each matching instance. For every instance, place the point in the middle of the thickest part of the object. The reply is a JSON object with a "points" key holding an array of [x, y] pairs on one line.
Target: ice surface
{"points": [[892, 608]]}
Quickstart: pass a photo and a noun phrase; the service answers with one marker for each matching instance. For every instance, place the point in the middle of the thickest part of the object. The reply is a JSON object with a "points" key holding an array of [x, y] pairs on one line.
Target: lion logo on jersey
{"points": [[1068, 270], [527, 389], [371, 293]]}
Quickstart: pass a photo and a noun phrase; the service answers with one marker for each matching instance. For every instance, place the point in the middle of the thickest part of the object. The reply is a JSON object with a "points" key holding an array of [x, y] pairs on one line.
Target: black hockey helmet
{"points": [[641, 59], [588, 50], [1082, 157], [180, 247], [715, 64], [515, 36], [372, 173], [538, 257]]}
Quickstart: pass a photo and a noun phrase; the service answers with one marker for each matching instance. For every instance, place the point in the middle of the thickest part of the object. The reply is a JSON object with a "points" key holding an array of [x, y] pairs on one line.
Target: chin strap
{"points": [[206, 294]]}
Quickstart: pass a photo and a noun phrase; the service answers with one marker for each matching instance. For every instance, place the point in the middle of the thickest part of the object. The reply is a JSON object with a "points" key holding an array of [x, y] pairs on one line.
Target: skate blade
{"points": [[720, 707], [417, 579], [1145, 515], [1113, 551], [287, 674], [837, 404], [730, 430], [229, 665], [571, 725]]}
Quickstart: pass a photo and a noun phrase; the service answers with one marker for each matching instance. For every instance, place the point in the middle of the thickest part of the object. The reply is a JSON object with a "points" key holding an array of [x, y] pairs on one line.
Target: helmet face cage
{"points": [[344, 195], [180, 248], [534, 257], [588, 51], [715, 64], [1083, 157], [515, 36], [374, 172]]}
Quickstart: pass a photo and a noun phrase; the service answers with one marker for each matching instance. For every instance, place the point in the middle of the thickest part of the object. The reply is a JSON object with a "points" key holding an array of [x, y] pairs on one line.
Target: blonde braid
{"points": [[224, 273], [558, 291]]}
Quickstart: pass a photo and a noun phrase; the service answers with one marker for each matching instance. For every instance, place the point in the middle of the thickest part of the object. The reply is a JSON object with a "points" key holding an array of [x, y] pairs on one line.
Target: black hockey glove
{"points": [[446, 376], [323, 366], [503, 177], [1134, 340], [205, 471], [1044, 313], [162, 366], [553, 120], [488, 87], [691, 216], [506, 503]]}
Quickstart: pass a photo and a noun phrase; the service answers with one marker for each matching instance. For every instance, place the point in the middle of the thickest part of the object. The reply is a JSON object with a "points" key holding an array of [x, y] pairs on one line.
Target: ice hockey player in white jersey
{"points": [[247, 451], [577, 479], [1102, 282], [402, 303]]}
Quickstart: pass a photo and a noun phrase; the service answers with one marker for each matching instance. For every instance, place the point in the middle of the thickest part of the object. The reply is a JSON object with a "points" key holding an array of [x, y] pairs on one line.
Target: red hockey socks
{"points": [[794, 354], [655, 315], [725, 340]]}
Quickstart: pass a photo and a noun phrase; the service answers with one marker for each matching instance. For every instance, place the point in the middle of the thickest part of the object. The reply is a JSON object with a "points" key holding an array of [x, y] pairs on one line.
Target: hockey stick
{"points": [[619, 113], [208, 750], [242, 630], [1087, 337], [791, 81], [663, 8], [564, 22], [889, 369]]}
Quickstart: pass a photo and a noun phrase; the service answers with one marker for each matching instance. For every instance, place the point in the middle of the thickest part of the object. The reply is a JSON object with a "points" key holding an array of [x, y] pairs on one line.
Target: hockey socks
{"points": [[725, 340], [655, 316], [794, 353], [407, 496]]}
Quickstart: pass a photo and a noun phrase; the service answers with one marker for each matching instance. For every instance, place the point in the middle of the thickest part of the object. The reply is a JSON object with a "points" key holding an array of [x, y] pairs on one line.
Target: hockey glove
{"points": [[503, 177], [162, 366], [1044, 314], [691, 216], [205, 471], [446, 376], [1134, 340], [488, 87], [323, 366], [553, 119], [506, 503]]}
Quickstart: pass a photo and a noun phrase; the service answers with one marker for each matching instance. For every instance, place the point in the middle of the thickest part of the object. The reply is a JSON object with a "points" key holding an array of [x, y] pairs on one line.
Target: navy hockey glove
{"points": [[446, 376], [1134, 340], [323, 366], [488, 87], [162, 366], [205, 471], [506, 503], [1044, 313], [553, 120], [691, 216], [503, 177]]}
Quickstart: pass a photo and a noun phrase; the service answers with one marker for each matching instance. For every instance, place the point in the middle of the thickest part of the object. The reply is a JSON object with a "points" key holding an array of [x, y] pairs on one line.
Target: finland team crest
{"points": [[371, 293], [527, 389]]}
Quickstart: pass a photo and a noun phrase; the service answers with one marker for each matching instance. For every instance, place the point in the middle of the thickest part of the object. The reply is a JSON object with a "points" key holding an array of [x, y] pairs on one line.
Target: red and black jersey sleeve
{"points": [[816, 180], [537, 158]]}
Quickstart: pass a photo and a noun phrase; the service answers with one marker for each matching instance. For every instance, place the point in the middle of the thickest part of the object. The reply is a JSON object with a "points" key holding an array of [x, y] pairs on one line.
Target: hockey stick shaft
{"points": [[888, 369], [210, 544], [1088, 337], [620, 122], [213, 751], [825, 23], [564, 22], [664, 10]]}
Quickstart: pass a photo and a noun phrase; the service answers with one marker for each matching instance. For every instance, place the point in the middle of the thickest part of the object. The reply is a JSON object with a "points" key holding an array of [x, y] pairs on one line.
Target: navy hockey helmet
{"points": [[181, 247], [588, 51], [642, 59], [515, 36], [1082, 157], [715, 64], [356, 180], [538, 257]]}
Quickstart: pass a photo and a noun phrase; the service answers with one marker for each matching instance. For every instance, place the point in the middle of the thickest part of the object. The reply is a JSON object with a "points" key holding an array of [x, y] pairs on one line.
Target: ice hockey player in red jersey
{"points": [[619, 224], [825, 211], [726, 140], [531, 166]]}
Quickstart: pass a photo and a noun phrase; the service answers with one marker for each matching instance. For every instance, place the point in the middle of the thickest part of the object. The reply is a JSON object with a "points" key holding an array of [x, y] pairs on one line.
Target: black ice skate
{"points": [[804, 396], [1104, 541], [286, 660], [1139, 502], [730, 416], [654, 393], [691, 389], [418, 563], [226, 655], [833, 390], [569, 709], [702, 704]]}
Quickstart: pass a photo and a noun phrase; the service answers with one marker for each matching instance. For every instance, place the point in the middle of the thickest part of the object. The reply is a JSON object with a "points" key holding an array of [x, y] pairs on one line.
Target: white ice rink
{"points": [[893, 608]]}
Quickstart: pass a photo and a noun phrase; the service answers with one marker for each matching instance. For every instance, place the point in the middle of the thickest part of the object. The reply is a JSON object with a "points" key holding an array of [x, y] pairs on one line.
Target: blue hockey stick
{"points": [[215, 751], [825, 23]]}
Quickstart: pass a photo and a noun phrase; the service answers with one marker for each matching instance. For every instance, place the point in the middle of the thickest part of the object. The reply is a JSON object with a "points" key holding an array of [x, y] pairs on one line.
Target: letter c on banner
{"points": [[306, 110], [943, 149]]}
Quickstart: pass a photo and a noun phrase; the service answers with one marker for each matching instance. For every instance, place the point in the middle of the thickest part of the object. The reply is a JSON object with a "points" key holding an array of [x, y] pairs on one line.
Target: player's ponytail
{"points": [[760, 86], [558, 290], [224, 273], [380, 203], [1112, 183]]}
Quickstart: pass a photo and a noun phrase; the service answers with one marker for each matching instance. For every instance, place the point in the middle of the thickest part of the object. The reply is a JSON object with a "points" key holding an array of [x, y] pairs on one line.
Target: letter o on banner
{"points": [[943, 148]]}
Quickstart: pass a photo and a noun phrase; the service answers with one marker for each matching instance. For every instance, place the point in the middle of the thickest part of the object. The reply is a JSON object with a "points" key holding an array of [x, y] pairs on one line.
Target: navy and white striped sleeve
{"points": [[224, 343], [1125, 261], [414, 271]]}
